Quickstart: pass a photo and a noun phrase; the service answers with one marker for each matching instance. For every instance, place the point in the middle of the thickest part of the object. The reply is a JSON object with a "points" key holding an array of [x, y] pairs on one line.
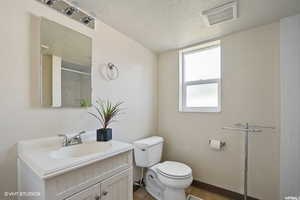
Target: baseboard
{"points": [[219, 190]]}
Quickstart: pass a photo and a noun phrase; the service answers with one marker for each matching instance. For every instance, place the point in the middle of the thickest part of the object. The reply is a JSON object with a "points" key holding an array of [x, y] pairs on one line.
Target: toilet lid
{"points": [[174, 169]]}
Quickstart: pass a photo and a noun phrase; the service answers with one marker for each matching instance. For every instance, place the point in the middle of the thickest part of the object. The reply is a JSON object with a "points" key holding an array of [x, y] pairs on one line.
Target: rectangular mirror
{"points": [[66, 62]]}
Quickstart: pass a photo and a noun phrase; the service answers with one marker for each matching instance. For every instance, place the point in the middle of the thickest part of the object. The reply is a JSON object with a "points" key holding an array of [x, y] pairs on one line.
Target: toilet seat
{"points": [[174, 170]]}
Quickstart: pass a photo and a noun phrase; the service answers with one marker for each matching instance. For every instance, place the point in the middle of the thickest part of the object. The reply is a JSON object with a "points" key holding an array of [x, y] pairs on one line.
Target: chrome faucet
{"points": [[76, 139]]}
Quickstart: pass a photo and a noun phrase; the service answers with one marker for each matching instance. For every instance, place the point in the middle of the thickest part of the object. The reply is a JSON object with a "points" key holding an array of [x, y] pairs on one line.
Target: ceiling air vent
{"points": [[222, 13]]}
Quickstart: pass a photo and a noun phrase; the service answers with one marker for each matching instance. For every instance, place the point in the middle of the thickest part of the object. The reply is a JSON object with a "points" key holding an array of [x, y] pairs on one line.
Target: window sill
{"points": [[200, 109]]}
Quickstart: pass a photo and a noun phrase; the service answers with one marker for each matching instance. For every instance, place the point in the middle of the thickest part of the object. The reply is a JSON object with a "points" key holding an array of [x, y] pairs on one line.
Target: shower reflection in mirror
{"points": [[65, 66]]}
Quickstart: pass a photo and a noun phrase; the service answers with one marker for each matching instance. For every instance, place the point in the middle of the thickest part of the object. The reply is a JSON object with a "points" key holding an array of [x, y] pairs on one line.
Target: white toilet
{"points": [[166, 180]]}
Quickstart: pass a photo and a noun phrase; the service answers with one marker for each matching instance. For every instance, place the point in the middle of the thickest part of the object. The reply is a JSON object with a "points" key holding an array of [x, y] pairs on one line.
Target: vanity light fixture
{"points": [[86, 20], [50, 2], [70, 10]]}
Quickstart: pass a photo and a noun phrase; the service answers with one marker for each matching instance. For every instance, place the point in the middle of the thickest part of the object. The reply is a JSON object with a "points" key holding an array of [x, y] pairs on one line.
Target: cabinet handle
{"points": [[104, 193], [97, 198]]}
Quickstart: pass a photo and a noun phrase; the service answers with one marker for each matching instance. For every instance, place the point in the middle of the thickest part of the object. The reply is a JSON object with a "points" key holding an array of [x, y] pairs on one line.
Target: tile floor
{"points": [[141, 194]]}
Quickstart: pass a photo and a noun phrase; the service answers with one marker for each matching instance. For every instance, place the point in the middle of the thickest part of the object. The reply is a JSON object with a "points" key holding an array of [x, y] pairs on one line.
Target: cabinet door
{"points": [[91, 193], [118, 187]]}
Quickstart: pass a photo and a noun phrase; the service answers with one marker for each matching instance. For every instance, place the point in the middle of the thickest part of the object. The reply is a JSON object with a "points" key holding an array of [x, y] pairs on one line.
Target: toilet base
{"points": [[159, 191], [168, 194], [192, 197], [153, 186], [174, 194], [157, 194]]}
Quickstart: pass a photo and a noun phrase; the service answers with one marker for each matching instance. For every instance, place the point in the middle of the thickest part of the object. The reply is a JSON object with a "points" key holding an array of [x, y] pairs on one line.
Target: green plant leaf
{"points": [[107, 112]]}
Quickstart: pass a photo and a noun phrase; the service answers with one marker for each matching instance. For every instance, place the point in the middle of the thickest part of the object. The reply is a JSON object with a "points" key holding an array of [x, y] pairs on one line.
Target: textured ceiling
{"points": [[162, 25]]}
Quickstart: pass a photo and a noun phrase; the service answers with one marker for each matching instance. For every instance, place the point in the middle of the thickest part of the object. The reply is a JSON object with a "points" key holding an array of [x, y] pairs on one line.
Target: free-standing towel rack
{"points": [[246, 129]]}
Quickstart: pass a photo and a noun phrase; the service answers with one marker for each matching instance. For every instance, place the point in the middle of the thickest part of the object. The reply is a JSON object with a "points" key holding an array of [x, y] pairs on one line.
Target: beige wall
{"points": [[250, 93], [21, 117]]}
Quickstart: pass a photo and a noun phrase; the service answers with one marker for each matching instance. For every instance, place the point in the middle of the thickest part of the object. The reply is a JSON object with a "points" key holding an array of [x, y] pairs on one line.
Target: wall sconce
{"points": [[109, 71], [112, 71]]}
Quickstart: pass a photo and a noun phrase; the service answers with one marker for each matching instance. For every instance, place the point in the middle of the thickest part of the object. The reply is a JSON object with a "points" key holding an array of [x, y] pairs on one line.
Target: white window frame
{"points": [[183, 84]]}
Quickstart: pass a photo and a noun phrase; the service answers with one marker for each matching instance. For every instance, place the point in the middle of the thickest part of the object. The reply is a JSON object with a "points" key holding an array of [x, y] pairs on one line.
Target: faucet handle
{"points": [[65, 140], [80, 133], [78, 137], [62, 135]]}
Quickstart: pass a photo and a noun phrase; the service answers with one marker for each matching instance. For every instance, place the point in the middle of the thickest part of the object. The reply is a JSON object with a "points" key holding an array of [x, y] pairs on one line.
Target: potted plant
{"points": [[107, 113]]}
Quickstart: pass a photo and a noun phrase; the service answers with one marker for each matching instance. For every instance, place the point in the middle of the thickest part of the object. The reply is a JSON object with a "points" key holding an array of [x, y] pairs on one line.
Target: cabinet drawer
{"points": [[118, 187], [65, 185], [92, 193]]}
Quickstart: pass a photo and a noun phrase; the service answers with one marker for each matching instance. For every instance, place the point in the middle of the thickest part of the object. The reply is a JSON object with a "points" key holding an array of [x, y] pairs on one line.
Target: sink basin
{"points": [[80, 150]]}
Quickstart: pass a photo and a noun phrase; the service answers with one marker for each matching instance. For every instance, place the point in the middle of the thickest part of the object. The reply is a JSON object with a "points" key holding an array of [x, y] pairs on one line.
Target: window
{"points": [[200, 78]]}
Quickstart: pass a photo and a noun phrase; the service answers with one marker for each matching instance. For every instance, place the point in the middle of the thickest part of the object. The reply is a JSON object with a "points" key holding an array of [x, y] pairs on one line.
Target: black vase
{"points": [[104, 134]]}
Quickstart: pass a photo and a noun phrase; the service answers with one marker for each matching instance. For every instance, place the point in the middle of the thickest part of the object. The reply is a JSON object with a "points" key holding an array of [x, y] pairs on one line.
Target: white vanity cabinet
{"points": [[114, 188], [103, 176]]}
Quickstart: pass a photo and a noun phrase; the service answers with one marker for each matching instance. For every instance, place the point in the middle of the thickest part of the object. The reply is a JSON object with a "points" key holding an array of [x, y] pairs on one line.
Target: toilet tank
{"points": [[147, 152]]}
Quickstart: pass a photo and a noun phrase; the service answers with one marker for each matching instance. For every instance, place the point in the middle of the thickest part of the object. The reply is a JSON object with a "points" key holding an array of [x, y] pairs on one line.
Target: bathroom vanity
{"points": [[89, 171]]}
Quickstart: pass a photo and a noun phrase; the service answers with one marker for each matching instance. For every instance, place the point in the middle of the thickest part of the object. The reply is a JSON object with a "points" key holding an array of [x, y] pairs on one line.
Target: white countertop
{"points": [[36, 154]]}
